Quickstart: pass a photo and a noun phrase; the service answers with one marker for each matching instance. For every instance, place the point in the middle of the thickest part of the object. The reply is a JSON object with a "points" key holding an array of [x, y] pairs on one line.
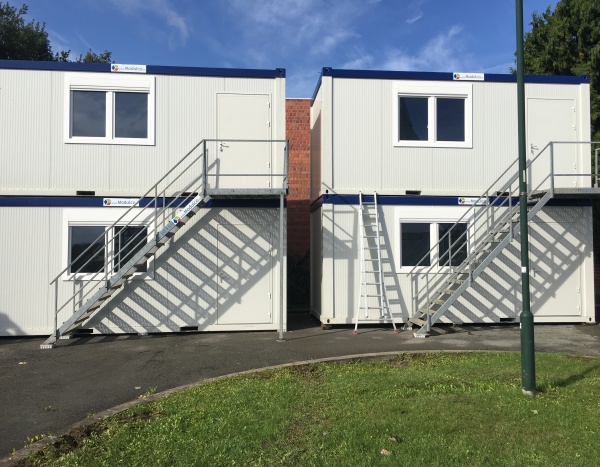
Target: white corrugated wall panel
{"points": [[184, 291], [26, 117], [185, 113], [366, 159], [359, 113], [25, 250], [315, 147]]}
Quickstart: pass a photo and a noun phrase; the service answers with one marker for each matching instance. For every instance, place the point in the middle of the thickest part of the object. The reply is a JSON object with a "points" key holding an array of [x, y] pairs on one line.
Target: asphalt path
{"points": [[47, 391]]}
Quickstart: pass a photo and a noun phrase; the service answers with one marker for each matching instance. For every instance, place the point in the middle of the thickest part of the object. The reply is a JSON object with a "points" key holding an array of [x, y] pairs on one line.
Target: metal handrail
{"points": [[477, 211], [195, 187]]}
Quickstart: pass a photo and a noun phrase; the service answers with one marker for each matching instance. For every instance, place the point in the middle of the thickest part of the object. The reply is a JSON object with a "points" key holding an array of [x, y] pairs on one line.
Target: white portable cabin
{"points": [[414, 198], [141, 199]]}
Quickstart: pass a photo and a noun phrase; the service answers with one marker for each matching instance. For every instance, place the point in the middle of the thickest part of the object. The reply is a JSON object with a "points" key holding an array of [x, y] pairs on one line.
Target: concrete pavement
{"points": [[47, 391]]}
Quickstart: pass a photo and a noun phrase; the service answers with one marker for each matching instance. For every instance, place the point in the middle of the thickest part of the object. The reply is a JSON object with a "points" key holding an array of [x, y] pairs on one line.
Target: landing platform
{"points": [[576, 193], [246, 193]]}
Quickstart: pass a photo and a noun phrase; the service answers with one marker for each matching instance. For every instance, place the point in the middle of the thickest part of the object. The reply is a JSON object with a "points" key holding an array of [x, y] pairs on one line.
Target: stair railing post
{"points": [[596, 158], [510, 211], [469, 255], [156, 212], [203, 169], [415, 293], [56, 309], [552, 168], [427, 308]]}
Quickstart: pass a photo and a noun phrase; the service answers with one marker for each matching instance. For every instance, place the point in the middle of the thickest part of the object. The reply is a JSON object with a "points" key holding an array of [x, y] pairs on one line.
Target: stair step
{"points": [[438, 301], [417, 321], [425, 311]]}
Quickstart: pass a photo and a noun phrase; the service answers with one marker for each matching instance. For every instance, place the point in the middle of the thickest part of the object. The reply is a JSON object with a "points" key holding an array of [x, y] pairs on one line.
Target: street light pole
{"points": [[526, 317]]}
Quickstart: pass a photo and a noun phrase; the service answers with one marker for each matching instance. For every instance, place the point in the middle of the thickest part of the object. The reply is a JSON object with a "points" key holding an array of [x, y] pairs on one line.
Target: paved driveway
{"points": [[47, 391]]}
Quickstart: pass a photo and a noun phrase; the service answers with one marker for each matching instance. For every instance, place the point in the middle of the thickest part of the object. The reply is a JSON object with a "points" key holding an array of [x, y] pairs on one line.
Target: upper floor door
{"points": [[552, 120], [241, 157]]}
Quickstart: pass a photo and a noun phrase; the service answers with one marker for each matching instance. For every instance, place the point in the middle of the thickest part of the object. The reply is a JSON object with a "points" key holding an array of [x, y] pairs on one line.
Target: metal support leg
{"points": [[281, 266]]}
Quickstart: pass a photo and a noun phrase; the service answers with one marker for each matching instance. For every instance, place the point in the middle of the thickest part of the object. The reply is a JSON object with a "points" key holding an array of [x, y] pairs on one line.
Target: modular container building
{"points": [[414, 198], [139, 199]]}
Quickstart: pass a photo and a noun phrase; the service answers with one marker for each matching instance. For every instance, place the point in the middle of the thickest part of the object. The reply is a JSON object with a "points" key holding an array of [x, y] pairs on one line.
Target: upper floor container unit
{"points": [[111, 129], [424, 133]]}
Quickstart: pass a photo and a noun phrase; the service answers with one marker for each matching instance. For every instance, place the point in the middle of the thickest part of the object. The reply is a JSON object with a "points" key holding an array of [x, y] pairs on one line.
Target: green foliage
{"points": [[89, 57], [29, 41], [566, 41], [20, 40], [414, 409]]}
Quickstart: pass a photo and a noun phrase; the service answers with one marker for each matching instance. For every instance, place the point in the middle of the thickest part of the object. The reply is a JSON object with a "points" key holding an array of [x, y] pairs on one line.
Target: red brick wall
{"points": [[298, 200]]}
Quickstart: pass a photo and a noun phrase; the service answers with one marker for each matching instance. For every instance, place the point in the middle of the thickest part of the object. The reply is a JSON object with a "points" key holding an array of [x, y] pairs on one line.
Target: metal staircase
{"points": [[372, 290], [491, 223], [163, 210]]}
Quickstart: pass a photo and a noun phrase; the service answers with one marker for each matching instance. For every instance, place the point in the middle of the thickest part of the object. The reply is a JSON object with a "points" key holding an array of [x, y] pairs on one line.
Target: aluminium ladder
{"points": [[372, 293]]}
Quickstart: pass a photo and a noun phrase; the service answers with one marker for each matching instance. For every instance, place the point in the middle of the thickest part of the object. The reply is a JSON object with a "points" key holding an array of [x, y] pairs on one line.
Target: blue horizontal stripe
{"points": [[150, 69], [97, 202], [394, 200], [436, 76]]}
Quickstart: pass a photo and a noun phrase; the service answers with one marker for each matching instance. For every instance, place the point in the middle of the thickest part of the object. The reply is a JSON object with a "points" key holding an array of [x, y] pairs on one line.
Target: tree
{"points": [[29, 41], [566, 41], [20, 40]]}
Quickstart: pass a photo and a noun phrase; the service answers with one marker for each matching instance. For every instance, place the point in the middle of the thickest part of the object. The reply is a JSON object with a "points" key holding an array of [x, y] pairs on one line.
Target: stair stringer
{"points": [[432, 316], [95, 304]]}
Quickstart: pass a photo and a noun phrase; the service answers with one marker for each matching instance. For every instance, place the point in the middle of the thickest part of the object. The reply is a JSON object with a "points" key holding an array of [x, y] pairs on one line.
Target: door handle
{"points": [[222, 145]]}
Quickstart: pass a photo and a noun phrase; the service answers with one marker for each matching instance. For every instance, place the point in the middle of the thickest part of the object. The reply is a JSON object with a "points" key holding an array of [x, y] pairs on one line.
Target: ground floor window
{"points": [[95, 242], [431, 243], [430, 236], [92, 247]]}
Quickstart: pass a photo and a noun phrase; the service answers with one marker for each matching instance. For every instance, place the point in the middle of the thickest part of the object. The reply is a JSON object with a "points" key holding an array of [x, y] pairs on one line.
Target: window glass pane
{"points": [[81, 238], [413, 119], [131, 115], [128, 241], [452, 247], [450, 119], [415, 244], [89, 113]]}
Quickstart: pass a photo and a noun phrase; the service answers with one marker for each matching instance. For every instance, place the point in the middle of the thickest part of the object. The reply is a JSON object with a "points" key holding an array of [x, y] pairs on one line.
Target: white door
{"points": [[244, 292], [552, 120], [241, 164], [556, 259]]}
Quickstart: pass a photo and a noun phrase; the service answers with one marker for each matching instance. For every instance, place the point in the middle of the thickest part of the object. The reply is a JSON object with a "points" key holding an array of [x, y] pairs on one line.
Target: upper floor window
{"points": [[109, 110], [428, 116]]}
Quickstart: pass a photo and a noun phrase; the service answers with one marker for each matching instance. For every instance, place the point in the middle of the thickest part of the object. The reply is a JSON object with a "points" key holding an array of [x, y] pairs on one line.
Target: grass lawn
{"points": [[462, 409]]}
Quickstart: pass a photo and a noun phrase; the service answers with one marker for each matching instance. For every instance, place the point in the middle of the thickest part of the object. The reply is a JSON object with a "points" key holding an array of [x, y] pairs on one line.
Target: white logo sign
{"points": [[120, 202], [456, 76], [118, 68], [473, 201]]}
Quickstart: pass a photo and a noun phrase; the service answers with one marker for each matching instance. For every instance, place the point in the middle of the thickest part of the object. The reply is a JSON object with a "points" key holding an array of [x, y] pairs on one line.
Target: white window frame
{"points": [[110, 84], [432, 92], [104, 217], [432, 215]]}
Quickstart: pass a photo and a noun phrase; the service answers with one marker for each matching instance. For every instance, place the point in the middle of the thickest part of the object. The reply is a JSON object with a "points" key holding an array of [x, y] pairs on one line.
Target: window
{"points": [[417, 239], [119, 244], [109, 110], [439, 116]]}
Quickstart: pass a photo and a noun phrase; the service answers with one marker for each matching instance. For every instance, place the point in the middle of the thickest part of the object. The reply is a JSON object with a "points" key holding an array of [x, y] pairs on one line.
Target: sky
{"points": [[302, 36]]}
